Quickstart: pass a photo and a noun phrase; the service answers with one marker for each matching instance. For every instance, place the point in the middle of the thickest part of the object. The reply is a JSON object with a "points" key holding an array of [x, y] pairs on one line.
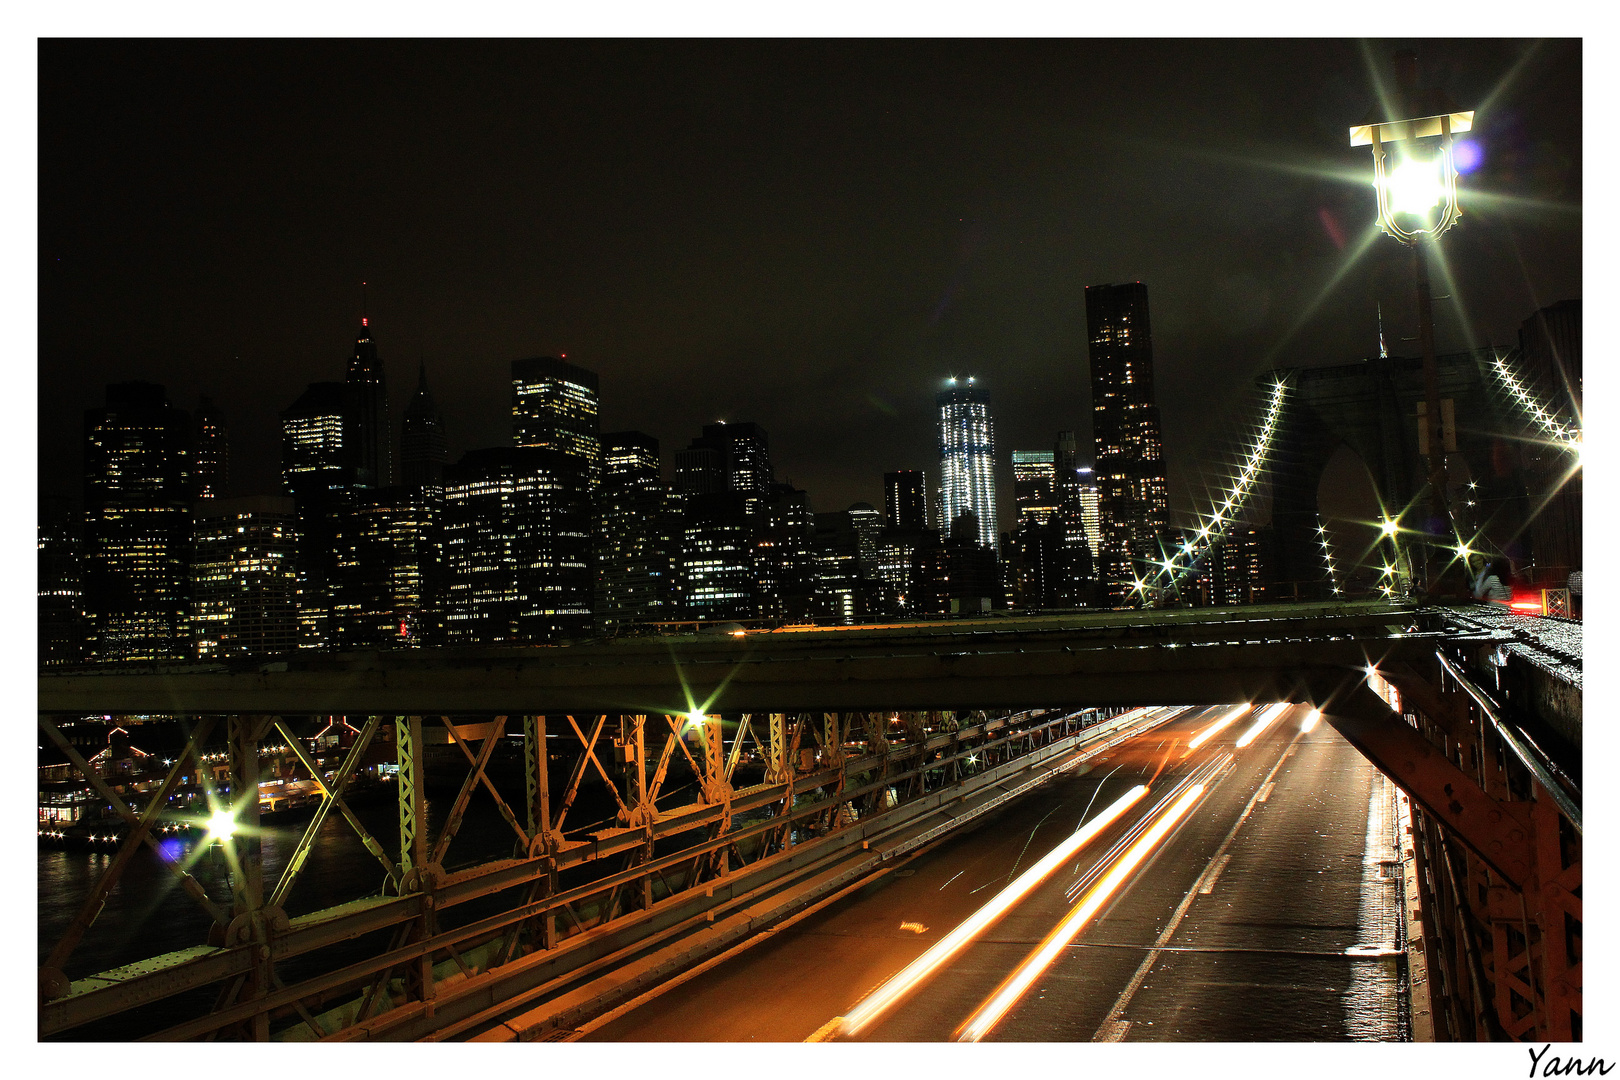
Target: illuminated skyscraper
{"points": [[244, 578], [728, 457], [554, 407], [423, 449], [137, 525], [317, 470], [1033, 486], [212, 468], [367, 414], [314, 436], [967, 447], [1129, 457], [905, 500], [517, 546]]}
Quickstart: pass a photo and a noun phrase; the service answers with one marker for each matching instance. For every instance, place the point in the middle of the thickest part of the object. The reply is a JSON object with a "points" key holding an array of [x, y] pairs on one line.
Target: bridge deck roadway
{"points": [[1195, 656], [1291, 942]]}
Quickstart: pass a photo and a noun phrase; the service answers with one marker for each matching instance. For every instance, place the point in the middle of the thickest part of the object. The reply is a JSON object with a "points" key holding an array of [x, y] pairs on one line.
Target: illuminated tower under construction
{"points": [[967, 450]]}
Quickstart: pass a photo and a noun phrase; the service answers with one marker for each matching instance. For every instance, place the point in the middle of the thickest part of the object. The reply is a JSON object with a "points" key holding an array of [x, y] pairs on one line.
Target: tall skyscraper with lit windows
{"points": [[137, 525], [967, 448], [1034, 485], [554, 406], [1133, 500]]}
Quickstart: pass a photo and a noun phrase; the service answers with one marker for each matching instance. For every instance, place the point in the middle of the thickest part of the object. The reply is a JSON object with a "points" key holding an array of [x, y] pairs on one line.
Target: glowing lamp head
{"points": [[221, 824], [1390, 527], [1415, 186], [694, 718]]}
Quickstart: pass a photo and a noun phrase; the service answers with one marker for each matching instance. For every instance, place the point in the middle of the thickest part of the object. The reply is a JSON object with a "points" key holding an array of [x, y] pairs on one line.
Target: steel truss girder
{"points": [[1508, 942], [165, 976]]}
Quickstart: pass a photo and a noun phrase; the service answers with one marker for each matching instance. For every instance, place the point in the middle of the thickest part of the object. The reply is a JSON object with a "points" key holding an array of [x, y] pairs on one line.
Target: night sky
{"points": [[808, 235]]}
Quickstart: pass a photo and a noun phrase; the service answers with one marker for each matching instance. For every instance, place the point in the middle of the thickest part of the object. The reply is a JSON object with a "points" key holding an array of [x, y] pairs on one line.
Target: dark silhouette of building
{"points": [[60, 587], [728, 457], [958, 575], [554, 407], [211, 471], [423, 447], [905, 500], [137, 525], [244, 578], [1129, 452], [367, 439], [638, 535], [517, 546]]}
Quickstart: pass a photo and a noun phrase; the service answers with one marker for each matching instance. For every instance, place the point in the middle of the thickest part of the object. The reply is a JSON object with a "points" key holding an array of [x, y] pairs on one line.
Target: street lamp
{"points": [[1414, 128]]}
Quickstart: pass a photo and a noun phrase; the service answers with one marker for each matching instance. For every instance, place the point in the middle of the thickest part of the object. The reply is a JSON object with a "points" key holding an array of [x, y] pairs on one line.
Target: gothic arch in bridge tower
{"points": [[1371, 407]]}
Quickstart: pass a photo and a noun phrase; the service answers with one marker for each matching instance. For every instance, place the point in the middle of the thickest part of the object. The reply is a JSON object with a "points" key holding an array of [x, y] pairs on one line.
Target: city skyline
{"points": [[990, 282]]}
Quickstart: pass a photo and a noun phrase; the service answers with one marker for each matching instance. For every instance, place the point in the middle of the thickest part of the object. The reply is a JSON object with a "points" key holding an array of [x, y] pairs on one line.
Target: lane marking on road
{"points": [[1214, 871], [1124, 1000], [1116, 1031]]}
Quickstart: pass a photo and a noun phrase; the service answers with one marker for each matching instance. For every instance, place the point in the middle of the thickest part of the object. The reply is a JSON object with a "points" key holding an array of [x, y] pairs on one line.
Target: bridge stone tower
{"points": [[1372, 406]]}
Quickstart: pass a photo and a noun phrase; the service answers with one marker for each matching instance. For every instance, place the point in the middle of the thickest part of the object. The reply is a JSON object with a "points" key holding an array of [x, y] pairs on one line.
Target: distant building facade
{"points": [[517, 546], [244, 578]]}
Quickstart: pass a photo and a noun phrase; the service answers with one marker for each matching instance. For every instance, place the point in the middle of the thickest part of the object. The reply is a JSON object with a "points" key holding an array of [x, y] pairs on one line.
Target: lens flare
{"points": [[887, 995], [221, 824], [1310, 720], [991, 1012]]}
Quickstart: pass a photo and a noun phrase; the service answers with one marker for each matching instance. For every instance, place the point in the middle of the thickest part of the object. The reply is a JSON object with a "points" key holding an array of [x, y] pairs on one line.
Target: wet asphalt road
{"points": [[1292, 938]]}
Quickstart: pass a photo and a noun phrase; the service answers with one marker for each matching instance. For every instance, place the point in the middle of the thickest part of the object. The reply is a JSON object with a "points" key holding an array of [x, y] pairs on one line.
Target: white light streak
{"points": [[991, 1012], [1265, 720], [887, 995]]}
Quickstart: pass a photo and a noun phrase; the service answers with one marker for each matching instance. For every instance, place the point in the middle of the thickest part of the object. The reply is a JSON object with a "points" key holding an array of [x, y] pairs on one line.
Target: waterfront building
{"points": [[905, 500], [967, 458], [517, 546], [423, 447], [244, 578], [1129, 453], [137, 525], [554, 407]]}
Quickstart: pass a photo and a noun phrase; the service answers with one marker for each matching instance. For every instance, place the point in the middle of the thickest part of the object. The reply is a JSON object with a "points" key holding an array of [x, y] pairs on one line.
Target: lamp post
{"points": [[1415, 127]]}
